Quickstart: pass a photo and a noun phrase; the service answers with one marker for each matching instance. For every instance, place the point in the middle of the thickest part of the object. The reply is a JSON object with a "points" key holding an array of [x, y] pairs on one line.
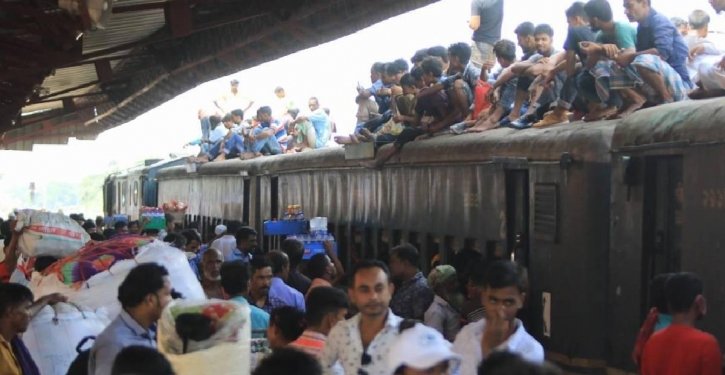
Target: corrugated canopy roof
{"points": [[62, 79]]}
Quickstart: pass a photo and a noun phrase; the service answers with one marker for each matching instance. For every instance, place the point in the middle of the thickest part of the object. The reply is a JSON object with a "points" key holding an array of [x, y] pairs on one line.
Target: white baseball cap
{"points": [[219, 229], [421, 347]]}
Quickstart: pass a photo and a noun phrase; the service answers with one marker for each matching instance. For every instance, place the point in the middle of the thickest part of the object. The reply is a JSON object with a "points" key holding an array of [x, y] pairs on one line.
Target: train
{"points": [[593, 210]]}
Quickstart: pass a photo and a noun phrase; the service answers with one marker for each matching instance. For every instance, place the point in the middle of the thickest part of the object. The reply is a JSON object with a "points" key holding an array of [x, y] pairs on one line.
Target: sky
{"points": [[330, 71]]}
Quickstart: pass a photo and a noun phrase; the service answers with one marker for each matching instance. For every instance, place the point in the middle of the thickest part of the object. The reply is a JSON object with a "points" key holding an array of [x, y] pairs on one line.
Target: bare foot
{"points": [[343, 140], [486, 125], [626, 111], [367, 135], [600, 114], [371, 164]]}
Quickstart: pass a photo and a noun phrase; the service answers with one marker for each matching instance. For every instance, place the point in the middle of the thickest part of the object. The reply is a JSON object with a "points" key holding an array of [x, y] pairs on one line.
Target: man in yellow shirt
{"points": [[16, 311], [233, 99]]}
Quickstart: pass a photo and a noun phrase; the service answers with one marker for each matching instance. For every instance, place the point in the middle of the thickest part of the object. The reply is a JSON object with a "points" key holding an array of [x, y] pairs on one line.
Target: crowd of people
{"points": [[307, 317], [606, 70], [273, 130]]}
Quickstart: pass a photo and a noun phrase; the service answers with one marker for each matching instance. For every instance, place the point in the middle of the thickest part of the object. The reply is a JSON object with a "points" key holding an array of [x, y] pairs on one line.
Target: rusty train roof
{"points": [[60, 78], [690, 122], [676, 124]]}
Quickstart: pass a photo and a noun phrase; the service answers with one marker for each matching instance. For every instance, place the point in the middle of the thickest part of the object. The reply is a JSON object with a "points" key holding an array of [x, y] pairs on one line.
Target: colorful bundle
{"points": [[174, 206], [228, 321], [95, 258]]}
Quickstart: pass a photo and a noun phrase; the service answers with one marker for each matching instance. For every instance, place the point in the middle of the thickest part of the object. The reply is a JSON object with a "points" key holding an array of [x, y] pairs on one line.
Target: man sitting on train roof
{"points": [[579, 31], [316, 119], [433, 110], [261, 139], [594, 87], [706, 64], [230, 145], [503, 97], [546, 58], [403, 114], [657, 69]]}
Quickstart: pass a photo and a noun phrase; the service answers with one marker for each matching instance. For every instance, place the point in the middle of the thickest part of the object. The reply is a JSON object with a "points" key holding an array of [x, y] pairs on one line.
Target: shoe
{"points": [[505, 122], [553, 118], [459, 128], [523, 122]]}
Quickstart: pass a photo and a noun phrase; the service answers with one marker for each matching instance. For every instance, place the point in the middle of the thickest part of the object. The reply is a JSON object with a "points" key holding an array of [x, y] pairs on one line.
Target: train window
{"points": [[545, 212], [135, 193]]}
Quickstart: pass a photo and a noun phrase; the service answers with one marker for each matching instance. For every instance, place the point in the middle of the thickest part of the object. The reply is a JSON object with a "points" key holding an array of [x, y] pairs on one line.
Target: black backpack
{"points": [[79, 366]]}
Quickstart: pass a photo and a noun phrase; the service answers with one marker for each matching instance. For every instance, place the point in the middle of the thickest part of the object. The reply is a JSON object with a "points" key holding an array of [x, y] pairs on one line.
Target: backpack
{"points": [[79, 366]]}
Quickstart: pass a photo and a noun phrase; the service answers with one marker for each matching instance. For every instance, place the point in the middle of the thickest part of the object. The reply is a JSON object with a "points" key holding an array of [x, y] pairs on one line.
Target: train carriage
{"points": [[593, 210]]}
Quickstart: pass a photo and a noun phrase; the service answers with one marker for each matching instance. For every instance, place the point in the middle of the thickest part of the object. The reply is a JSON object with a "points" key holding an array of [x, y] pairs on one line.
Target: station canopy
{"points": [[75, 68]]}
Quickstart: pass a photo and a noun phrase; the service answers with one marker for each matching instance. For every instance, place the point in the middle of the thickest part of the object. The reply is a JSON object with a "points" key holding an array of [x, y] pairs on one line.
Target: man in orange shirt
{"points": [[326, 306], [682, 349]]}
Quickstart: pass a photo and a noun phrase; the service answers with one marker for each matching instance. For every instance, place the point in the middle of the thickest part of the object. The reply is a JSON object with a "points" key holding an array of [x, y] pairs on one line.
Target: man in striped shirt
{"points": [[325, 307]]}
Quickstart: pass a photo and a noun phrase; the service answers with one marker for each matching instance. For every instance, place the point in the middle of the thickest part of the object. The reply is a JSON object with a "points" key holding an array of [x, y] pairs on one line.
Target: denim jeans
{"points": [[269, 145]]}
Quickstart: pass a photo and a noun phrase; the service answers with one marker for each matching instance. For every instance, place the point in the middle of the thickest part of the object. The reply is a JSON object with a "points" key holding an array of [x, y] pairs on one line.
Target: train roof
{"points": [[152, 166], [685, 123], [688, 122]]}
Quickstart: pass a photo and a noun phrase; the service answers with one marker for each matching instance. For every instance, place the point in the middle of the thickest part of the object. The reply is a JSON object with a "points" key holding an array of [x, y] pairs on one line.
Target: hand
{"points": [[494, 95], [611, 50], [398, 118], [696, 50], [488, 65], [495, 332], [544, 60], [52, 299], [722, 63], [329, 248]]}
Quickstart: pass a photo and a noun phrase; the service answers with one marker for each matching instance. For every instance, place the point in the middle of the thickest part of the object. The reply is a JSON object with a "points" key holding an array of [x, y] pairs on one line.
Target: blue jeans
{"points": [[234, 146], [269, 145], [205, 131]]}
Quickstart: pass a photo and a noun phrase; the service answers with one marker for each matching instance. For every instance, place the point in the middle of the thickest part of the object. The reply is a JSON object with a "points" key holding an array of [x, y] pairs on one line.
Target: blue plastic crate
{"points": [[285, 227], [316, 247]]}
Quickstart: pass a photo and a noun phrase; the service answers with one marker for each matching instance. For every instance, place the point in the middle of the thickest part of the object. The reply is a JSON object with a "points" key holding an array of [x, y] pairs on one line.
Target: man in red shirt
{"points": [[681, 348]]}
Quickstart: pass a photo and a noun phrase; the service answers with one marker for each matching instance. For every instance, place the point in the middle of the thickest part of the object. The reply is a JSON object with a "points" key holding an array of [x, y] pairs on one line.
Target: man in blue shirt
{"points": [[235, 283], [657, 35], [246, 245], [143, 295], [281, 294]]}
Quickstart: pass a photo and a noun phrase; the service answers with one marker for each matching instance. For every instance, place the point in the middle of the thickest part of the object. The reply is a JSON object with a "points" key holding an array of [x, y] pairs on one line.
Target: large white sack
{"points": [[101, 290], [229, 353], [51, 234], [55, 331]]}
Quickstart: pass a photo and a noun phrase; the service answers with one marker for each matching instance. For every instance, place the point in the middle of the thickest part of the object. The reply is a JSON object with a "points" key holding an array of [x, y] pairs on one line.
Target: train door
{"points": [[517, 215], [662, 220]]}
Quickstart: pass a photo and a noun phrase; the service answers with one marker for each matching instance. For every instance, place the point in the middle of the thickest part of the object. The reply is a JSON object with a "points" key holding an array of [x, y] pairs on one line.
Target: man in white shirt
{"points": [[227, 243], [361, 344], [503, 295]]}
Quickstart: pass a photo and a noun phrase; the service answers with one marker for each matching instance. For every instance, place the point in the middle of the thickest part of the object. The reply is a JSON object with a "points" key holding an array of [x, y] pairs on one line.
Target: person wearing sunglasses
{"points": [[362, 343]]}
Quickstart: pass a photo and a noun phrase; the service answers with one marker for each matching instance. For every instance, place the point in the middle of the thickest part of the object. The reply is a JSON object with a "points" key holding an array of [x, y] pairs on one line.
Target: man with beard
{"points": [[413, 296], [211, 280], [261, 282], [361, 344]]}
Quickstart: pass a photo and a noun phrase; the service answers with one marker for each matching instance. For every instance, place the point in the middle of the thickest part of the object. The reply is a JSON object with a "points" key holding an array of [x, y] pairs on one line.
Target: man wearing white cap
{"points": [[226, 243], [219, 231], [421, 350]]}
